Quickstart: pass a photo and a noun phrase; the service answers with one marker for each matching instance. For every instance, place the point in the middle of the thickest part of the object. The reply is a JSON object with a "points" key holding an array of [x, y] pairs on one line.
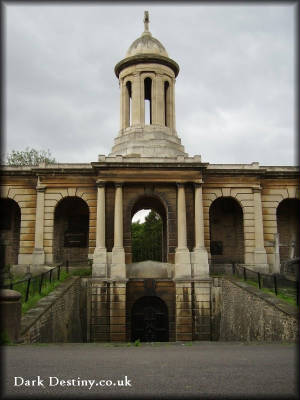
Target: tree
{"points": [[147, 238], [30, 157]]}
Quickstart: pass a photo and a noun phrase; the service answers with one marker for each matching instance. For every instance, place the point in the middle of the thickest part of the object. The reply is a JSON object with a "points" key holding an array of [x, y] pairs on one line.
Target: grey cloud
{"points": [[234, 94]]}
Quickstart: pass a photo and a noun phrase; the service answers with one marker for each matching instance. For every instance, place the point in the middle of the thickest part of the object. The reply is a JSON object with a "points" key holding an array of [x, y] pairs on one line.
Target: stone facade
{"points": [[211, 213]]}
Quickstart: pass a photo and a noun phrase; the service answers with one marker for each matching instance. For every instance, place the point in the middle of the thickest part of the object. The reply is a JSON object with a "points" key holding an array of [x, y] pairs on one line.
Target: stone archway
{"points": [[288, 214], [226, 231], [149, 320], [10, 223], [155, 204], [71, 231]]}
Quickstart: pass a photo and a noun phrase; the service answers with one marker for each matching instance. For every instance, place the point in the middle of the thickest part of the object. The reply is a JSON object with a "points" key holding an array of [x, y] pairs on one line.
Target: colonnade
{"points": [[161, 96]]}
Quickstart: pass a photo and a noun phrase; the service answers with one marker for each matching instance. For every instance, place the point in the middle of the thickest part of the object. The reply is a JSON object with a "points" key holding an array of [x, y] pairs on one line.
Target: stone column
{"points": [[160, 101], [260, 256], [182, 254], [100, 253], [276, 267], [38, 255], [136, 100], [199, 256], [118, 269]]}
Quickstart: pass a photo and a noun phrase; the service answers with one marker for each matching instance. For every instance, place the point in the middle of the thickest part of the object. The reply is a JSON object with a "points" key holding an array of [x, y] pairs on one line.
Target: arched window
{"points": [[148, 100], [128, 105], [167, 103]]}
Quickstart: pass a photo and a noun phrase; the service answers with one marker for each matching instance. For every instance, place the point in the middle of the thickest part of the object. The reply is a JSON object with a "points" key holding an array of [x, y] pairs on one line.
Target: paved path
{"points": [[170, 370]]}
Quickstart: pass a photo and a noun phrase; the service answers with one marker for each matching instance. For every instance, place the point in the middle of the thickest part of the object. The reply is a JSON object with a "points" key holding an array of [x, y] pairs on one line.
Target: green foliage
{"points": [[147, 238], [29, 157], [137, 343]]}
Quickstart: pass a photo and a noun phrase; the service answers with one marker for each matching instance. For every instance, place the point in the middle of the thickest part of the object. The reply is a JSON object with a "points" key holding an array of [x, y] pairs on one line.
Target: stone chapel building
{"points": [[212, 214]]}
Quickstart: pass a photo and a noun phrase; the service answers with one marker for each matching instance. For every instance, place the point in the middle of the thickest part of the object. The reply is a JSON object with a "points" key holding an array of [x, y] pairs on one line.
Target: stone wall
{"points": [[57, 317], [248, 314]]}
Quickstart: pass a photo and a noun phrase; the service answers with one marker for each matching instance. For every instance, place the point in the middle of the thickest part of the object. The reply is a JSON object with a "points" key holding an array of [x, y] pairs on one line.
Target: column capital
{"points": [[180, 184], [119, 184], [257, 189], [41, 188], [100, 184], [197, 185]]}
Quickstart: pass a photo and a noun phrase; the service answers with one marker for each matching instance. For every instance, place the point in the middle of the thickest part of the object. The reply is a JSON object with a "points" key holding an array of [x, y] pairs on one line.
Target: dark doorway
{"points": [[71, 231], [226, 231], [288, 215], [149, 320], [10, 223]]}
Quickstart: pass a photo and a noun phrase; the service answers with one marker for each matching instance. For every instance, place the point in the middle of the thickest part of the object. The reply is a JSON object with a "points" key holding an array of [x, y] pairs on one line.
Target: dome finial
{"points": [[146, 21]]}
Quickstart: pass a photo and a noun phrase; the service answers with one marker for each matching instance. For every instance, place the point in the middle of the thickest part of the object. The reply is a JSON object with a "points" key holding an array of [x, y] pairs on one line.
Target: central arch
{"points": [[155, 204], [149, 320]]}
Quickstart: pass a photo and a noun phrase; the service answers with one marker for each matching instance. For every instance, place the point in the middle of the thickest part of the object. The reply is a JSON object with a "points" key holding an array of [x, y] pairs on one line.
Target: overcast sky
{"points": [[235, 92]]}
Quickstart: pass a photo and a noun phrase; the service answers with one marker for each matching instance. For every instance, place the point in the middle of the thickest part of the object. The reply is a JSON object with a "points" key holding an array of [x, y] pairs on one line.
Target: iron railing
{"points": [[278, 283]]}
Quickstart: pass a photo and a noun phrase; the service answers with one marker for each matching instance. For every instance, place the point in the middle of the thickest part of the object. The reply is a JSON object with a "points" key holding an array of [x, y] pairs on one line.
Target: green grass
{"points": [[286, 295], [47, 287]]}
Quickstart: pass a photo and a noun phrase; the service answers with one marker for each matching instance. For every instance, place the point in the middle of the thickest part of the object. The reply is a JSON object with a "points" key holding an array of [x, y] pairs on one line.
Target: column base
{"points": [[38, 257], [199, 261], [118, 267], [183, 269], [260, 260], [99, 263]]}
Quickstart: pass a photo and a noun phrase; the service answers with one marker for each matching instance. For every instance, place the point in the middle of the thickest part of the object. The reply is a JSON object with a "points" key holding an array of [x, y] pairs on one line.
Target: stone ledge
{"points": [[288, 309], [45, 303]]}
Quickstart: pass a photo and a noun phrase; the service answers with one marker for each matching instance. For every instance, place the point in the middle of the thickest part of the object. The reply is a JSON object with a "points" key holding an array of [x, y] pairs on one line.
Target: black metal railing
{"points": [[278, 283], [31, 285]]}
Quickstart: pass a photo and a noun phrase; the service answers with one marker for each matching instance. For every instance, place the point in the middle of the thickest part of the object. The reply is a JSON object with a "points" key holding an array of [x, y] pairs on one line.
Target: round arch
{"points": [[150, 320], [71, 231], [287, 216], [226, 231], [155, 203], [10, 225]]}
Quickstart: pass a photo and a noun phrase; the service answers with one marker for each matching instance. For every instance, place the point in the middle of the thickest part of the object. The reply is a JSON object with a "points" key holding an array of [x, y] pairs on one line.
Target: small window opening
{"points": [[166, 101], [129, 104], [148, 101]]}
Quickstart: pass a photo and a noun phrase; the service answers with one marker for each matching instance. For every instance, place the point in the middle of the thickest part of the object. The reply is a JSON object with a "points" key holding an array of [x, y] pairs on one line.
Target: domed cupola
{"points": [[147, 78]]}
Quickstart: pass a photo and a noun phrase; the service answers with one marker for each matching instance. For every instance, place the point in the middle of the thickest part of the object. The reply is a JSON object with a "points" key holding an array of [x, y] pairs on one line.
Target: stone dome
{"points": [[146, 44]]}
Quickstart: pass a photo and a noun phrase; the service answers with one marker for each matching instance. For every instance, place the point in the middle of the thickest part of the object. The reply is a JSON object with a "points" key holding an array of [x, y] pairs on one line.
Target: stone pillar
{"points": [[11, 314], [125, 105], [136, 100], [260, 255], [38, 255], [118, 269], [199, 256], [184, 318], [276, 267], [160, 101], [182, 254], [100, 253]]}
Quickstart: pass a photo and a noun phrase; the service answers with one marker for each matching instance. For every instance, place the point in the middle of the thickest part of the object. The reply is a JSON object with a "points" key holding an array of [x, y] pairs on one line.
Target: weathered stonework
{"points": [[213, 214]]}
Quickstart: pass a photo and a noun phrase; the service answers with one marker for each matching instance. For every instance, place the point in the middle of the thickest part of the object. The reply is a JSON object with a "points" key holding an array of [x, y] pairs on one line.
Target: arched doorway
{"points": [[10, 223], [71, 231], [149, 320], [226, 231], [149, 237], [288, 214]]}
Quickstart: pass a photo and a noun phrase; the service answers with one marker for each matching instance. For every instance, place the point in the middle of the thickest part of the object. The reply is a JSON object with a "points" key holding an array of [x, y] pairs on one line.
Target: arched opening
{"points": [[148, 230], [149, 320], [10, 223], [167, 103], [128, 97], [288, 214], [71, 231], [148, 100], [226, 231]]}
